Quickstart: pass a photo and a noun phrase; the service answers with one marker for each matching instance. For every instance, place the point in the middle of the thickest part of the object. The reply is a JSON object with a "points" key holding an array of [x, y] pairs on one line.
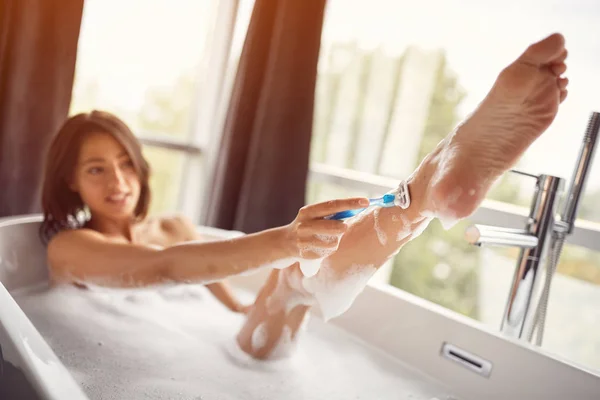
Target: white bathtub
{"points": [[423, 335]]}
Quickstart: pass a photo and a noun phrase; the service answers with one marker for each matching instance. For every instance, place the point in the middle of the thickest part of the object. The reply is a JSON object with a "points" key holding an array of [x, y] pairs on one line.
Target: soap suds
{"points": [[335, 292], [285, 346], [381, 236], [310, 267], [288, 293], [448, 221], [327, 238], [403, 235], [420, 228], [453, 197], [320, 251], [259, 337], [181, 345]]}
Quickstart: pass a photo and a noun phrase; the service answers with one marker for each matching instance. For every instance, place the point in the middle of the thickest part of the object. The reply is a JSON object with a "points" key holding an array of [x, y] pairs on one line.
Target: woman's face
{"points": [[105, 177]]}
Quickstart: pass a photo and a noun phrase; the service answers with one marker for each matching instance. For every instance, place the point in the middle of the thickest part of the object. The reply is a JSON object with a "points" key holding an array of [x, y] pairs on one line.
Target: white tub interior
{"points": [[177, 342]]}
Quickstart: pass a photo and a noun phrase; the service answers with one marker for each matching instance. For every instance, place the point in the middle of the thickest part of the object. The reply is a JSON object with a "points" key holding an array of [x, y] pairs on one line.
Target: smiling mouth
{"points": [[118, 198]]}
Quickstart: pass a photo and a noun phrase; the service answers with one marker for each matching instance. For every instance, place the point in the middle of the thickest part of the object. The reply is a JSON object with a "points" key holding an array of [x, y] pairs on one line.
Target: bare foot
{"points": [[520, 106]]}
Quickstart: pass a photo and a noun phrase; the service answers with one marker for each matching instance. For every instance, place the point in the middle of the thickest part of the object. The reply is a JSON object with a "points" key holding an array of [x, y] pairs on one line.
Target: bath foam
{"points": [[259, 337], [285, 346], [334, 293], [177, 342], [244, 360]]}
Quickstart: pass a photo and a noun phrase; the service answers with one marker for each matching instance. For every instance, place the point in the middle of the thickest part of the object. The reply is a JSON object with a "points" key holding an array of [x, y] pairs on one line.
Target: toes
{"points": [[545, 51], [562, 83], [562, 57], [563, 95], [559, 69]]}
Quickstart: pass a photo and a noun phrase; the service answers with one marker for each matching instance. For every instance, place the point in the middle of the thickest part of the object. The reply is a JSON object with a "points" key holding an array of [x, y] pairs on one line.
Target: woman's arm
{"points": [[87, 255]]}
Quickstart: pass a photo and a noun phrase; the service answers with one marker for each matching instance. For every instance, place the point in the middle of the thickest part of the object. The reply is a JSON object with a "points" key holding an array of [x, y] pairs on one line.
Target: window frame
{"points": [[207, 115]]}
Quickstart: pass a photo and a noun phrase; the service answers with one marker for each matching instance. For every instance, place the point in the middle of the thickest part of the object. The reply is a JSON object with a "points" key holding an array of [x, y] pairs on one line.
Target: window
{"points": [[395, 77], [147, 62]]}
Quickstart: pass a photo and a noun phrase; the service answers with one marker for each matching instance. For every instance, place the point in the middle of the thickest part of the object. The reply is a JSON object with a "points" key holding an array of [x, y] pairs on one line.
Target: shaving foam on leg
{"points": [[335, 292], [381, 235]]}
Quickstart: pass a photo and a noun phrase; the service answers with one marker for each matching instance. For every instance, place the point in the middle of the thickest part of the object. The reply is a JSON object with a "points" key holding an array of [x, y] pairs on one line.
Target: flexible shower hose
{"points": [[558, 240]]}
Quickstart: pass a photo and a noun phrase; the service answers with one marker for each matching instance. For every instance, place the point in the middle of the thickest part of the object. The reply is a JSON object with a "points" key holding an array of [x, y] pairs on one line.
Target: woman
{"points": [[96, 163]]}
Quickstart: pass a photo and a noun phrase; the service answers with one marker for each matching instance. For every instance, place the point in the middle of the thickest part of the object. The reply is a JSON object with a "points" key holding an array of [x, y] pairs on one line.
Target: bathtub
{"points": [[471, 359]]}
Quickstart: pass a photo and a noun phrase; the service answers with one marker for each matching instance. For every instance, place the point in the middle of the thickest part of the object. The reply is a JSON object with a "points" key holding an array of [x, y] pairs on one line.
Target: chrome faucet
{"points": [[544, 233]]}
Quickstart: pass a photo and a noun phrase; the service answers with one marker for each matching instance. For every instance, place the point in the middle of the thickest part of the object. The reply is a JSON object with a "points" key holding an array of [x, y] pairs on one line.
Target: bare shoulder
{"points": [[64, 242], [71, 237], [178, 225]]}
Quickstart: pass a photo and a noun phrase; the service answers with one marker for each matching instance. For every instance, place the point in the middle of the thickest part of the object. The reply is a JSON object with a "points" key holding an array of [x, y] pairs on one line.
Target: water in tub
{"points": [[177, 342]]}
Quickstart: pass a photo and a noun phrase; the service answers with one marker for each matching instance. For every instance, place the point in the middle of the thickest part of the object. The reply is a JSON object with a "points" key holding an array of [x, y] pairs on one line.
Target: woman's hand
{"points": [[243, 309], [311, 237]]}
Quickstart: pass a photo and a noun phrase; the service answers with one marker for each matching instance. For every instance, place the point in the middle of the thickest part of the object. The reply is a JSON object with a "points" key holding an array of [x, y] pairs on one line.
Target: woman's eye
{"points": [[128, 164], [95, 170]]}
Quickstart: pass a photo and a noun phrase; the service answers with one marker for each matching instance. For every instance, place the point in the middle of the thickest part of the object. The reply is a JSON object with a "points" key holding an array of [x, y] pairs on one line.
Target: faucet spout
{"points": [[485, 235]]}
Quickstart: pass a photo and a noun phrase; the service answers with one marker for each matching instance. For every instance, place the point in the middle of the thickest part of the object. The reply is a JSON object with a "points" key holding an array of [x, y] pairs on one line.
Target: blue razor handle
{"points": [[386, 200]]}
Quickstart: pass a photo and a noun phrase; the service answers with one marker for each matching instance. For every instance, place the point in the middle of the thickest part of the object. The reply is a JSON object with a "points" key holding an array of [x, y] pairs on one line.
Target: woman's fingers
{"points": [[321, 227], [321, 210], [317, 237]]}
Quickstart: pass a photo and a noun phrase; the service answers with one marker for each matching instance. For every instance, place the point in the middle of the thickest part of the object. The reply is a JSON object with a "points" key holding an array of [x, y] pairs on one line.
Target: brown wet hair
{"points": [[61, 206]]}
